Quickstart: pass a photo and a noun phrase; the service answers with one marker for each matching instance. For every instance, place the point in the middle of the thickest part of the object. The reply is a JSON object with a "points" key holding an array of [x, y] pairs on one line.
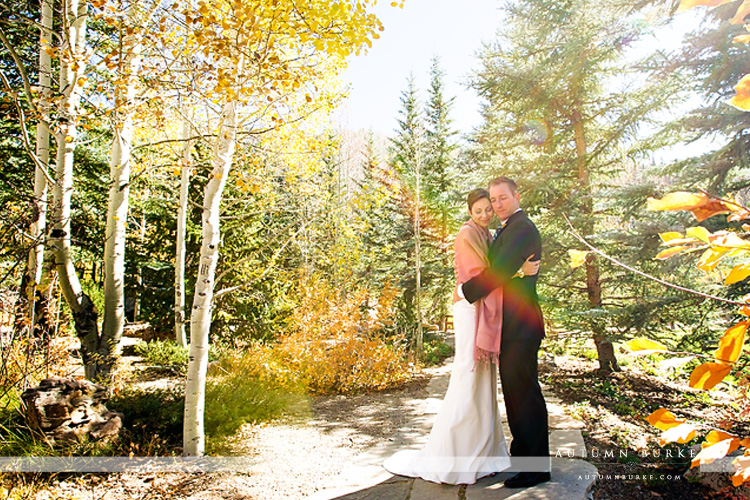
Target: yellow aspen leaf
{"points": [[738, 273], [689, 4], [742, 39], [669, 252], [663, 419], [672, 238], [715, 451], [743, 471], [698, 232], [708, 375], [700, 204], [645, 345], [577, 258], [731, 343], [711, 258], [741, 100], [683, 433]]}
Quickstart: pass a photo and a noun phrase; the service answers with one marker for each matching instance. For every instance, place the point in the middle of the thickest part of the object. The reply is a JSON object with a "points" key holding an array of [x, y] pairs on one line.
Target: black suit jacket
{"points": [[517, 241]]}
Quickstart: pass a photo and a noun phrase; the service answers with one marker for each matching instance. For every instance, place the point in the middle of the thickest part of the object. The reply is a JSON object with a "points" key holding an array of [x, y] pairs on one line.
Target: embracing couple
{"points": [[497, 323]]}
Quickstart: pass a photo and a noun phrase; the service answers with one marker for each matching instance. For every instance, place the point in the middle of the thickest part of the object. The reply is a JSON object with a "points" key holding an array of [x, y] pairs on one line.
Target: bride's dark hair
{"points": [[476, 195]]}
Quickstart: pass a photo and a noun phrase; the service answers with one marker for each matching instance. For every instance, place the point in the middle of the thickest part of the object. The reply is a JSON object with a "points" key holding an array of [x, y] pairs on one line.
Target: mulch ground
{"points": [[622, 444]]}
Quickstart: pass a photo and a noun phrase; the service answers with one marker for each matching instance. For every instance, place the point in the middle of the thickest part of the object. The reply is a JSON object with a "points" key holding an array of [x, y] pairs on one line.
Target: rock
{"points": [[718, 475], [68, 410]]}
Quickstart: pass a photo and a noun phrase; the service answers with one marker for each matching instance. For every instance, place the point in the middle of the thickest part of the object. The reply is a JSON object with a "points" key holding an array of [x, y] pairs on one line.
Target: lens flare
{"points": [[537, 131]]}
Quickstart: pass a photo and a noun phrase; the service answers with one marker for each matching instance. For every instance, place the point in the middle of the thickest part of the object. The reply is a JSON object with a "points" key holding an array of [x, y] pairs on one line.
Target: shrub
{"points": [[335, 349], [249, 387], [435, 351], [167, 356]]}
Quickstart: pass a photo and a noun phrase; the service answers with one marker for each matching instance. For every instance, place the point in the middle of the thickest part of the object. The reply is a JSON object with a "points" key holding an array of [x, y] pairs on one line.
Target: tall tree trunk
{"points": [[179, 267], [37, 298], [604, 348], [200, 317], [71, 69], [418, 249], [126, 89]]}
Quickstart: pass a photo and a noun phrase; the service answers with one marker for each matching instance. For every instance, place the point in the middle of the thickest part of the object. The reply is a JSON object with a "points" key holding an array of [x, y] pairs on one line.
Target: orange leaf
{"points": [[663, 419], [743, 474], [665, 254], [699, 204], [742, 11], [741, 99], [689, 4], [715, 451], [714, 437], [745, 443], [731, 343], [742, 39], [745, 310], [683, 433], [708, 375], [738, 273], [644, 345]]}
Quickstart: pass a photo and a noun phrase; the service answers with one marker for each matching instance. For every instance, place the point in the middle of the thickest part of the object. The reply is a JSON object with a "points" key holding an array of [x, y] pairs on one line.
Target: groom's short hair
{"points": [[505, 180]]}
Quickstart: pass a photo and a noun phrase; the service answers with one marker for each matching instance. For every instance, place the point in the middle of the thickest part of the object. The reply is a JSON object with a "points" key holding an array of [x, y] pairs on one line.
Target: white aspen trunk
{"points": [[39, 223], [117, 207], [72, 63], [179, 267], [200, 318]]}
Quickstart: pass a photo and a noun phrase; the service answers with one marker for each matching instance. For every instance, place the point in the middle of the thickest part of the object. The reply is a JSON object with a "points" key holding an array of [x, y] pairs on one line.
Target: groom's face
{"points": [[504, 201]]}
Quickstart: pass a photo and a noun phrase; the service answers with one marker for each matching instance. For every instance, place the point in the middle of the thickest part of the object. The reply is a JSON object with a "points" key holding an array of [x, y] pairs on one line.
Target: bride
{"points": [[467, 441]]}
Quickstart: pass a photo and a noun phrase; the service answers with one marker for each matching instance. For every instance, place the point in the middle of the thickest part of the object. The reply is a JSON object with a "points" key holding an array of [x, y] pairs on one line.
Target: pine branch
{"points": [[580, 238]]}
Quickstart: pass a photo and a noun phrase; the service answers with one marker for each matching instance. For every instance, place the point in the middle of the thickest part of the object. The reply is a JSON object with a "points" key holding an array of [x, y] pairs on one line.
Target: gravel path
{"points": [[295, 459]]}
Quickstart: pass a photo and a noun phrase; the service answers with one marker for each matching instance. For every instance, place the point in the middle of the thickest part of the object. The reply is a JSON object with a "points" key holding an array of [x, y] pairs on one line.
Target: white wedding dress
{"points": [[467, 440]]}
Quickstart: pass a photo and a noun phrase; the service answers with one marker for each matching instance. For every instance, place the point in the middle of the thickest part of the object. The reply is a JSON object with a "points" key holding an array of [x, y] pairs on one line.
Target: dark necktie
{"points": [[499, 229]]}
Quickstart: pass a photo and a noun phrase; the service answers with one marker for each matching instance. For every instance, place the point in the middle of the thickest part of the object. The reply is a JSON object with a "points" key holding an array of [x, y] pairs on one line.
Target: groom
{"points": [[522, 331]]}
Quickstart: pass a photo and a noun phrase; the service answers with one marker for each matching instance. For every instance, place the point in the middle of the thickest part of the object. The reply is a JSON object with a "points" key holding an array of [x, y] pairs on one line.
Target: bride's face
{"points": [[481, 212]]}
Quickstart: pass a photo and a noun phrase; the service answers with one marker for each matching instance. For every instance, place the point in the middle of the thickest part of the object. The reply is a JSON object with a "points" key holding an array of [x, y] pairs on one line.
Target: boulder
{"points": [[68, 410]]}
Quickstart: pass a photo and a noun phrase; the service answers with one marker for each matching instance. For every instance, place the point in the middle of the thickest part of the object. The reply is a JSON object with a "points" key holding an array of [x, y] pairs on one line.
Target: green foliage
{"points": [[166, 355], [435, 350]]}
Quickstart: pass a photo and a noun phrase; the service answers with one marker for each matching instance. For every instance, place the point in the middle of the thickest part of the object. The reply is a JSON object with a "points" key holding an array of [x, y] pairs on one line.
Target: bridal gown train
{"points": [[467, 440]]}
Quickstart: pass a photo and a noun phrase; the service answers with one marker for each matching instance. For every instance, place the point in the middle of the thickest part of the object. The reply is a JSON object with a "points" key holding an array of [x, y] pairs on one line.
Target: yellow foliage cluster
{"points": [[717, 250], [337, 345]]}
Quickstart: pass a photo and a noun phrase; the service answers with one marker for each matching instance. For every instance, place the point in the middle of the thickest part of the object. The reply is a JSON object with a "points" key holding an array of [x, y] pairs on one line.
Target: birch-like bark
{"points": [[179, 267], [117, 208], [72, 63], [200, 317], [39, 222]]}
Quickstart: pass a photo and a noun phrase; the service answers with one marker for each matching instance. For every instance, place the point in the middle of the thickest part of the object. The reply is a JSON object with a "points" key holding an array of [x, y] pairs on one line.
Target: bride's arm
{"points": [[528, 268]]}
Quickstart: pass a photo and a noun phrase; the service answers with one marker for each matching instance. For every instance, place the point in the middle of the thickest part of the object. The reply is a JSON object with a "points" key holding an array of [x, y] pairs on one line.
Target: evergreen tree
{"points": [[440, 191], [561, 114]]}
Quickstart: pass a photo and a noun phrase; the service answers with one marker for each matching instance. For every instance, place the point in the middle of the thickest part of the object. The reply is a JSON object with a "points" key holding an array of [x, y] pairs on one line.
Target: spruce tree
{"points": [[561, 114]]}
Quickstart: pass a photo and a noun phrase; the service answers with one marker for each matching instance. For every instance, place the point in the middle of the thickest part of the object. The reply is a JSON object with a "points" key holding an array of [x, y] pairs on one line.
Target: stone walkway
{"points": [[365, 478]]}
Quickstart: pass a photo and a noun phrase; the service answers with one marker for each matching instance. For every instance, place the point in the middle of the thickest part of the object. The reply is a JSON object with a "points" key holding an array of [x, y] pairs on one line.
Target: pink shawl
{"points": [[472, 246]]}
